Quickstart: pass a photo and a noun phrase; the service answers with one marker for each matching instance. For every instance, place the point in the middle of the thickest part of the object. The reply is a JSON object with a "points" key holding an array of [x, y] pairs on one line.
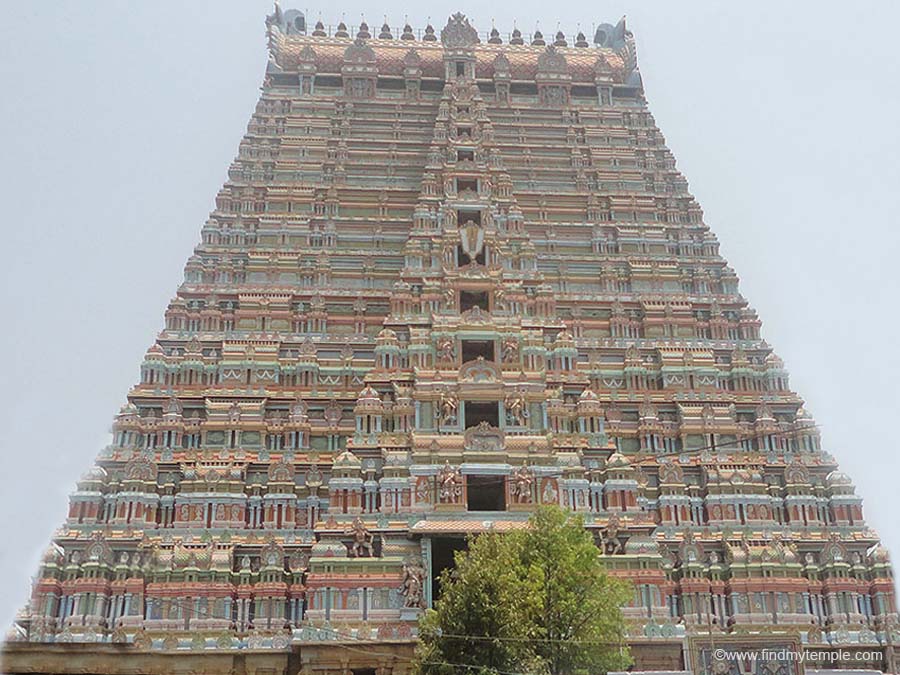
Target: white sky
{"points": [[118, 122]]}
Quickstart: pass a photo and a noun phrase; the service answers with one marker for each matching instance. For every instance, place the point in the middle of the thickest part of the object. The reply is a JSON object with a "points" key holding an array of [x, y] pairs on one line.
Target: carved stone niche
{"points": [[553, 78], [484, 438], [502, 77], [359, 70]]}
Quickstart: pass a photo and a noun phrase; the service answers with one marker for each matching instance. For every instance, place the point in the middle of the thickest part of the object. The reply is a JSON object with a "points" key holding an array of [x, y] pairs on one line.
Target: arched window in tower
{"points": [[485, 493], [471, 248], [466, 216], [464, 258], [464, 185], [472, 349], [470, 299], [476, 412]]}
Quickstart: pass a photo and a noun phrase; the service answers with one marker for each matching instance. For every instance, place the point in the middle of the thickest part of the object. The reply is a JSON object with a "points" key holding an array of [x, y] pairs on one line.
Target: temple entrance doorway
{"points": [[442, 551]]}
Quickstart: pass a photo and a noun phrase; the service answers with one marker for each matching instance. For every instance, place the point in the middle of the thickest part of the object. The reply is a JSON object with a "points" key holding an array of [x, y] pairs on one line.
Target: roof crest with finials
{"points": [[292, 47]]}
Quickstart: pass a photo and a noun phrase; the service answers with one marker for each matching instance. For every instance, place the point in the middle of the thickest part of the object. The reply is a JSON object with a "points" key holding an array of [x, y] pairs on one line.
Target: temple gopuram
{"points": [[452, 276]]}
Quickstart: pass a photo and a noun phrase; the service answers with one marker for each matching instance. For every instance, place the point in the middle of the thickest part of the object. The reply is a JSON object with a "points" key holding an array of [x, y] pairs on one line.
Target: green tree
{"points": [[536, 600], [477, 625], [579, 625]]}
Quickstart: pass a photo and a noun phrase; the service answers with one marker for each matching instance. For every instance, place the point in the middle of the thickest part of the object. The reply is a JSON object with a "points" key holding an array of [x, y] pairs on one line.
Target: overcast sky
{"points": [[118, 121]]}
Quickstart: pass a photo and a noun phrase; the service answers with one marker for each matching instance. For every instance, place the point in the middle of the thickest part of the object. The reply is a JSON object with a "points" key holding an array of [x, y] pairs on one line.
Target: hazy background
{"points": [[118, 121]]}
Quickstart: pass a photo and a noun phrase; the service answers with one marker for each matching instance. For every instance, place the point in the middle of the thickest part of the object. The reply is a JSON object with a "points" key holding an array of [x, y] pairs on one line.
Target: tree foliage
{"points": [[530, 601]]}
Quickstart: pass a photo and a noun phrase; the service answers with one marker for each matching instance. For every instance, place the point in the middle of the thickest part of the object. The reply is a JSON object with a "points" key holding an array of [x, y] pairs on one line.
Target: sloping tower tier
{"points": [[450, 277]]}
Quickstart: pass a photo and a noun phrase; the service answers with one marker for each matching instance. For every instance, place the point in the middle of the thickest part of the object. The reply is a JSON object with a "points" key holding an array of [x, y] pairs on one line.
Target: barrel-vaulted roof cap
{"points": [[391, 54], [614, 54]]}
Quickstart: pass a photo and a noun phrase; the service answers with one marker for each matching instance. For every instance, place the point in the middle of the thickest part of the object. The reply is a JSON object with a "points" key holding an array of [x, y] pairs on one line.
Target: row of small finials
{"points": [[537, 39]]}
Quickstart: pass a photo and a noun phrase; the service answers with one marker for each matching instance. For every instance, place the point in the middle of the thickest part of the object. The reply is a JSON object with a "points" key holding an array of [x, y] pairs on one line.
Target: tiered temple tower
{"points": [[450, 277]]}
